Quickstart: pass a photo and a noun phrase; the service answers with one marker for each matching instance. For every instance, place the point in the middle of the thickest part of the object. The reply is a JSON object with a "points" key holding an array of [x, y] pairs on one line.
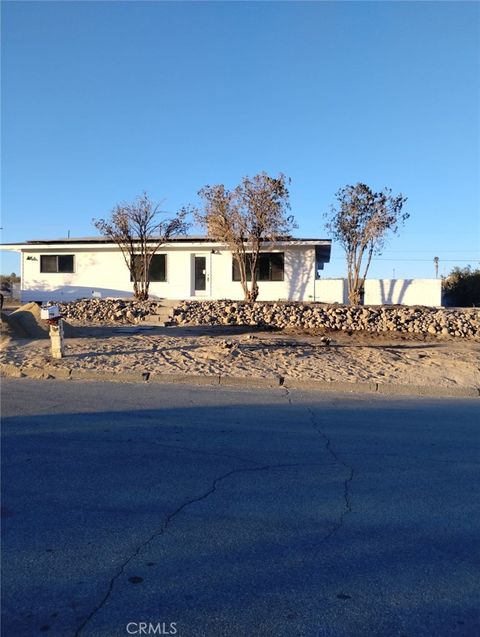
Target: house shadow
{"points": [[209, 505]]}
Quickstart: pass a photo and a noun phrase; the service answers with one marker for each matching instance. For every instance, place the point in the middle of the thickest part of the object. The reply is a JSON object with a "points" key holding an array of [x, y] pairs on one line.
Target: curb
{"points": [[193, 379], [386, 389], [427, 390], [251, 382], [324, 385], [90, 374]]}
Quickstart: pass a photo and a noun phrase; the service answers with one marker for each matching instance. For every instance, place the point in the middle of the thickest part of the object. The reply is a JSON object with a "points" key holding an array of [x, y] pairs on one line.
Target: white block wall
{"points": [[331, 291], [383, 291], [403, 292]]}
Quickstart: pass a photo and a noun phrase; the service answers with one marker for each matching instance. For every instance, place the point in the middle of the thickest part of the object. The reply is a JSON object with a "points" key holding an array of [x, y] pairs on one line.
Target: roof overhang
{"points": [[183, 243]]}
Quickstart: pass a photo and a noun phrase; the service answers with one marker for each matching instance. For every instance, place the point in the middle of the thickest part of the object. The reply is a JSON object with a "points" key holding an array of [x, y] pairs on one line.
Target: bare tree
{"points": [[245, 218], [360, 224], [136, 228]]}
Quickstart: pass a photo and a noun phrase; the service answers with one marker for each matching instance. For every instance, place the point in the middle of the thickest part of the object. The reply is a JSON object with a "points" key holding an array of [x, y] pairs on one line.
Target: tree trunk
{"points": [[254, 292], [354, 284], [243, 273], [136, 291], [354, 296]]}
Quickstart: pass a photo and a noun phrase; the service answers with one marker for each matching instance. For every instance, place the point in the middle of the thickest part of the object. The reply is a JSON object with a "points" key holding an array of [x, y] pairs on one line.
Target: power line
{"points": [[421, 260], [433, 251]]}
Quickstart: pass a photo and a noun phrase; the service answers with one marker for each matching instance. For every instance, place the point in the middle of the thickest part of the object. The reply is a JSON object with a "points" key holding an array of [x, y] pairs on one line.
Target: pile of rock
{"points": [[311, 316], [280, 315], [108, 310]]}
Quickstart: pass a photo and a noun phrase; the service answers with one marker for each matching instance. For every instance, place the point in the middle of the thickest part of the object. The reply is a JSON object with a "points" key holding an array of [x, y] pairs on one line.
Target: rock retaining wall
{"points": [[308, 316], [108, 310], [413, 320]]}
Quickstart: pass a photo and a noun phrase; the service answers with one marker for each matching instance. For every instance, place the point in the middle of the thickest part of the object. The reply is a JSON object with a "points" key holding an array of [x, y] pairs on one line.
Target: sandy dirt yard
{"points": [[336, 356]]}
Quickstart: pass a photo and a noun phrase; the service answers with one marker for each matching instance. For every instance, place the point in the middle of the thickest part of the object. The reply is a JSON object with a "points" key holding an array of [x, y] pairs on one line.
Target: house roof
{"points": [[103, 241]]}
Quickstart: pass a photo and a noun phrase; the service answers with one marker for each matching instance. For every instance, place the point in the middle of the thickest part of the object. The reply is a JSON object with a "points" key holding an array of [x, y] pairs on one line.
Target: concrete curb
{"points": [[193, 379], [250, 382], [427, 390], [324, 385], [385, 389], [91, 374]]}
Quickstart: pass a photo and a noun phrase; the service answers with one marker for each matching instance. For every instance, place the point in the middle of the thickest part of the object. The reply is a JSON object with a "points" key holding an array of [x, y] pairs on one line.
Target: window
{"points": [[158, 268], [270, 267], [56, 263]]}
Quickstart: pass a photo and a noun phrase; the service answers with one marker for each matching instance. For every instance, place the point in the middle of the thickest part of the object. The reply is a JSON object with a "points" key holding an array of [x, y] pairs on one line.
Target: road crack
{"points": [[287, 394], [346, 483], [213, 488], [162, 530], [347, 496]]}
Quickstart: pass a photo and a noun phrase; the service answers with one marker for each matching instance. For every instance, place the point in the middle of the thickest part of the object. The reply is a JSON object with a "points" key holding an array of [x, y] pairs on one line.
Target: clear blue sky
{"points": [[102, 100]]}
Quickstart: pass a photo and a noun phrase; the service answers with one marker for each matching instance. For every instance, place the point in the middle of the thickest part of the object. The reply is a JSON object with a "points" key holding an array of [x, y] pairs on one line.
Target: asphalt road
{"points": [[213, 512]]}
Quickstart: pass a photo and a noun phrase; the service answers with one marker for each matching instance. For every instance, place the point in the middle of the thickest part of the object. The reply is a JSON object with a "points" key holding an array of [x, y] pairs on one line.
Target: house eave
{"points": [[183, 243]]}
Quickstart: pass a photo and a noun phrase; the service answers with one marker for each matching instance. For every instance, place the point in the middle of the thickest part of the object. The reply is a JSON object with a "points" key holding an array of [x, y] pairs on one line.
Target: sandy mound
{"points": [[6, 332], [26, 323]]}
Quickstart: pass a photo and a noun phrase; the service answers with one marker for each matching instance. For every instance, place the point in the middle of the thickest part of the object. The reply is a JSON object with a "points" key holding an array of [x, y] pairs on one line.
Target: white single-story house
{"points": [[199, 268], [183, 268]]}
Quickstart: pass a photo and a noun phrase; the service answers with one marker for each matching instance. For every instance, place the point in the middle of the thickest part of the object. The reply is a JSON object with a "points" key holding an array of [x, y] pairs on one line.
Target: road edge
{"points": [[51, 372]]}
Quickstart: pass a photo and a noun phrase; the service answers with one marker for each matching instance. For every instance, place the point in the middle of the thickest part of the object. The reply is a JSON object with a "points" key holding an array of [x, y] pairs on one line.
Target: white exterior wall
{"points": [[298, 283], [103, 273], [96, 273], [403, 292], [384, 291], [331, 291]]}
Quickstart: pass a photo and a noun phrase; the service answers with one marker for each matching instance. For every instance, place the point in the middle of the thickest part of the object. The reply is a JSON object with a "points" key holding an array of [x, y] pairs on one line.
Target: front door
{"points": [[200, 275]]}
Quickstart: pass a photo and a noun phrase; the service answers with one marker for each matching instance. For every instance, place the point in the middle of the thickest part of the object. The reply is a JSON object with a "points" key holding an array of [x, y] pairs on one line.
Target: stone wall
{"points": [[412, 320], [108, 310], [463, 322]]}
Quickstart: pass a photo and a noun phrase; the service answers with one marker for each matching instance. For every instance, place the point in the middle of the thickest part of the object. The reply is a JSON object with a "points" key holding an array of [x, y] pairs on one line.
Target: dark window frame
{"points": [[58, 268], [267, 270], [156, 280]]}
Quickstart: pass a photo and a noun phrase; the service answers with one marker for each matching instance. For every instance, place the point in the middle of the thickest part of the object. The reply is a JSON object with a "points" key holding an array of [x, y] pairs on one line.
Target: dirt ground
{"points": [[246, 352]]}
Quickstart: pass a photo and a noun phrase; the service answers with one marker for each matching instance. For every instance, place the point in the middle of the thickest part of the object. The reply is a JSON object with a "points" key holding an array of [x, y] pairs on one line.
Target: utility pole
{"points": [[435, 261]]}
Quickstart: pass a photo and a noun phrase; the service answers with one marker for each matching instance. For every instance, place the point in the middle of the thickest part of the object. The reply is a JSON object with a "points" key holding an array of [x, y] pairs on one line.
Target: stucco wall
{"points": [[331, 291], [104, 273], [384, 291], [403, 292]]}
